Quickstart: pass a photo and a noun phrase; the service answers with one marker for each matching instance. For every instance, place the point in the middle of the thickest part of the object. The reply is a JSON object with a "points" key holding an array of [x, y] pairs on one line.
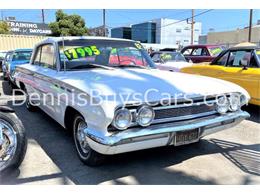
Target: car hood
{"points": [[154, 83]]}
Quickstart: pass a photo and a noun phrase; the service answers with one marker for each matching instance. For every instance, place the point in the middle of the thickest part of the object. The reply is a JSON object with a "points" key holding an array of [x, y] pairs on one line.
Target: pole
{"points": [[104, 22], [192, 26], [250, 25], [43, 16]]}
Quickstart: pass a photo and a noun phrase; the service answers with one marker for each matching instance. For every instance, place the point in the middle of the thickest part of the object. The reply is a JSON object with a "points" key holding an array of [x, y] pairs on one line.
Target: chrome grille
{"points": [[183, 111]]}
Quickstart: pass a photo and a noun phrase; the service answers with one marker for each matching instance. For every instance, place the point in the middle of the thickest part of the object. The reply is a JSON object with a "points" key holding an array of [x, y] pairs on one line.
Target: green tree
{"points": [[4, 28], [68, 25]]}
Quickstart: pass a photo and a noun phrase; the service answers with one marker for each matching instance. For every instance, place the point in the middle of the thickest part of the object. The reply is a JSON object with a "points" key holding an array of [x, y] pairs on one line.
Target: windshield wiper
{"points": [[90, 65]]}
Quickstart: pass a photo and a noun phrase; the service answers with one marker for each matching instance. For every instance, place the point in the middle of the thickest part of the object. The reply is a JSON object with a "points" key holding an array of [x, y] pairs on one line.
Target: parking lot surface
{"points": [[228, 157]]}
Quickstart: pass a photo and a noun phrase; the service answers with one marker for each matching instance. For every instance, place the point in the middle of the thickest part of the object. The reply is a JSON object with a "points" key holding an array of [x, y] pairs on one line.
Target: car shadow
{"points": [[254, 112], [144, 167]]}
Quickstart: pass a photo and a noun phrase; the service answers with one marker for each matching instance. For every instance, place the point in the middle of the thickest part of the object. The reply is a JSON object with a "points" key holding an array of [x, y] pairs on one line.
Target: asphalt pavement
{"points": [[227, 157]]}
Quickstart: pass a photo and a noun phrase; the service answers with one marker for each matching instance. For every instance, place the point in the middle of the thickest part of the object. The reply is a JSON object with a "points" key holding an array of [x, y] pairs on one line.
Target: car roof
{"points": [[25, 49], [166, 52], [203, 45], [58, 39]]}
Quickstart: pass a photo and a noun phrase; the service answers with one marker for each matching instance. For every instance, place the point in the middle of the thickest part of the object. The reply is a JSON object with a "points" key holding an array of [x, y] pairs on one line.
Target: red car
{"points": [[201, 53]]}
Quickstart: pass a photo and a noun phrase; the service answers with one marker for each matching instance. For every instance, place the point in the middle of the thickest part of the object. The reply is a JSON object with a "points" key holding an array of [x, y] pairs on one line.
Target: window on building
{"points": [[186, 28], [197, 30], [178, 30]]}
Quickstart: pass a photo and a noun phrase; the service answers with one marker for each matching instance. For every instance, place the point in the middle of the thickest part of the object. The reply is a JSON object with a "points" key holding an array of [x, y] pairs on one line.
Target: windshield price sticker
{"points": [[258, 52], [216, 51], [138, 46], [81, 52]]}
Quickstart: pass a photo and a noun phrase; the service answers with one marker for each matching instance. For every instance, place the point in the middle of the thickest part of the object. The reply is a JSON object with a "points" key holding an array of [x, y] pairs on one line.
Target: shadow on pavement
{"points": [[254, 112]]}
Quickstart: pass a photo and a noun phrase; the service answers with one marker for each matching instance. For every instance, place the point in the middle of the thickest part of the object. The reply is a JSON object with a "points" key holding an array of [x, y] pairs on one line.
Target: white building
{"points": [[170, 31]]}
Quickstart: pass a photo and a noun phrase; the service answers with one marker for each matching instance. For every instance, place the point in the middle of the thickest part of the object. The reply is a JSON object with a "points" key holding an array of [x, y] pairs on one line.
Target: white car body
{"points": [[128, 81], [172, 66]]}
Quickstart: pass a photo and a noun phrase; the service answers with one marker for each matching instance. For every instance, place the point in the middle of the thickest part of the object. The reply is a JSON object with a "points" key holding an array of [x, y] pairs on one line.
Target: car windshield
{"points": [[258, 53], [22, 56], [215, 51], [172, 56], [86, 53]]}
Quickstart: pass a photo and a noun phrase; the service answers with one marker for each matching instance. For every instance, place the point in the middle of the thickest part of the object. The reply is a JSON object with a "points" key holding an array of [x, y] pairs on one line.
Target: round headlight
{"points": [[222, 105], [122, 119], [234, 101], [145, 116]]}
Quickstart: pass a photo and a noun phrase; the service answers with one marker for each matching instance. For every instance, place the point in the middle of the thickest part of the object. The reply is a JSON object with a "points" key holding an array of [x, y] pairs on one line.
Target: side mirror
{"points": [[243, 63]]}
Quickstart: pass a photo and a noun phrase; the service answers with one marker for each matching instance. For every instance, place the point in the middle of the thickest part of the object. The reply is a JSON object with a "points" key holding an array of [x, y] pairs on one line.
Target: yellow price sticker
{"points": [[81, 52], [138, 46], [258, 52]]}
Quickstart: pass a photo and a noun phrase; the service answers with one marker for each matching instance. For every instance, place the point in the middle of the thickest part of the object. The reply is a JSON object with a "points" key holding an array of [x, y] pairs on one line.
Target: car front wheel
{"points": [[87, 155]]}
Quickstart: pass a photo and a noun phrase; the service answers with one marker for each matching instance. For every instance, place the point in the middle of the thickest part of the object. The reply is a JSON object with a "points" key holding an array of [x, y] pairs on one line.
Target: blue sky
{"points": [[220, 20]]}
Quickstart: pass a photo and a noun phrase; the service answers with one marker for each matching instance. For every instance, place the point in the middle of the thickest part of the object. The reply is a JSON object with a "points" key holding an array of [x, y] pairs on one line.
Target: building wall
{"points": [[144, 32], [234, 37], [10, 42], [180, 33]]}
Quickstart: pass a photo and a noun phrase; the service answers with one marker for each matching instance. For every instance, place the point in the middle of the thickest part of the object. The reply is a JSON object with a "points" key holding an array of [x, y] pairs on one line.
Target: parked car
{"points": [[4, 63], [13, 142], [17, 58], [240, 65], [201, 53], [109, 106], [2, 57], [172, 61]]}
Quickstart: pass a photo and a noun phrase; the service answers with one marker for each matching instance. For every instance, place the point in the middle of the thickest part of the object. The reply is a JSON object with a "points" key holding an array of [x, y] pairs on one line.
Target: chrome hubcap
{"points": [[81, 137], [8, 144]]}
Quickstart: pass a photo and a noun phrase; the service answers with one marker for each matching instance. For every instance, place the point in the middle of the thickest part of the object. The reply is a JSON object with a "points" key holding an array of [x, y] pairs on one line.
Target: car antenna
{"points": [[63, 46]]}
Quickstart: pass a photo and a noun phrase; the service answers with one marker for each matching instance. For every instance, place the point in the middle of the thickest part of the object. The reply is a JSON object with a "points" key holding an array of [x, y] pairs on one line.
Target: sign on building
{"points": [[28, 28]]}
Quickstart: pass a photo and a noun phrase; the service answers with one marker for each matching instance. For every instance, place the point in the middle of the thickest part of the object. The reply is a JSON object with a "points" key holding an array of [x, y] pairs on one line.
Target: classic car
{"points": [[171, 61], [118, 108], [16, 58], [201, 53], [239, 64]]}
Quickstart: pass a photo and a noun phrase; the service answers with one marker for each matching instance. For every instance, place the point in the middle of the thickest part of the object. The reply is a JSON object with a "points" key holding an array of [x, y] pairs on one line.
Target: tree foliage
{"points": [[4, 28], [68, 25]]}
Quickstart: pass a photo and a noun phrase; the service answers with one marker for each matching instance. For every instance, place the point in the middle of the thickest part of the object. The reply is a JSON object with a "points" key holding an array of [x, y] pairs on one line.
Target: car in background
{"points": [[17, 57], [2, 57], [4, 63], [171, 61], [239, 64], [201, 53]]}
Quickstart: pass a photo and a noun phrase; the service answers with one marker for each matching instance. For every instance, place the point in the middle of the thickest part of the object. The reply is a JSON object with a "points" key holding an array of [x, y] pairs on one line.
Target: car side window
{"points": [[236, 57], [38, 56], [45, 56], [156, 57], [222, 60], [199, 52], [187, 52]]}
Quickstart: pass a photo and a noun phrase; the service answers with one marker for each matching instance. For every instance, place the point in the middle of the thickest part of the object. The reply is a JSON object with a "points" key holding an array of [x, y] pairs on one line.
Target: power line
{"points": [[172, 23]]}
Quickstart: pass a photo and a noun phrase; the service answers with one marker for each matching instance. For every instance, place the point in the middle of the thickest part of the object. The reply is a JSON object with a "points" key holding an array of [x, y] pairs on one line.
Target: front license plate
{"points": [[186, 137]]}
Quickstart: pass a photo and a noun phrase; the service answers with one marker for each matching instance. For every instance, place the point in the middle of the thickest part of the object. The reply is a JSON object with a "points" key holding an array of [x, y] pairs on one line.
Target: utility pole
{"points": [[104, 23], [192, 26], [43, 16], [250, 25]]}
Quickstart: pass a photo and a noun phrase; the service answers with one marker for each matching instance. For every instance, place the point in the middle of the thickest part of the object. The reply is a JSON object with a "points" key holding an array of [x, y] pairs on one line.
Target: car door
{"points": [[200, 54], [45, 69], [247, 77], [215, 69]]}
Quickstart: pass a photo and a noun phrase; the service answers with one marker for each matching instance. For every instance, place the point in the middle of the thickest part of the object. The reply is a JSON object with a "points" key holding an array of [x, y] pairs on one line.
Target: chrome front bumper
{"points": [[159, 135]]}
